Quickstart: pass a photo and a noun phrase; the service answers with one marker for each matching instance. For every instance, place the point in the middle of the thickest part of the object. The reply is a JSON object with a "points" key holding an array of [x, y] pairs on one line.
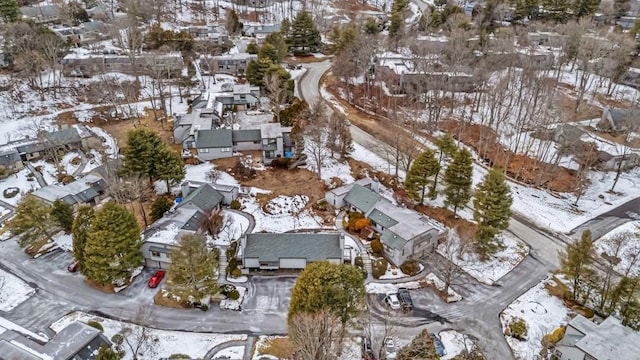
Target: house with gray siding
{"points": [[10, 160], [185, 126], [262, 251], [276, 142], [89, 189], [619, 120], [586, 340], [404, 233], [232, 64], [214, 144], [228, 192]]}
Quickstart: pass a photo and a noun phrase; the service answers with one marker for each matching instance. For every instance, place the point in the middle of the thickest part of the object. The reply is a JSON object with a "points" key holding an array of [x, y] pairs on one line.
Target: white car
{"points": [[392, 301], [389, 349]]}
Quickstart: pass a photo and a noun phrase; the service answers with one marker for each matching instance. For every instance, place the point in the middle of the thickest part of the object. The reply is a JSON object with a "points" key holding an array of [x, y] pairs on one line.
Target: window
{"points": [[204, 150], [155, 254], [270, 154], [226, 149]]}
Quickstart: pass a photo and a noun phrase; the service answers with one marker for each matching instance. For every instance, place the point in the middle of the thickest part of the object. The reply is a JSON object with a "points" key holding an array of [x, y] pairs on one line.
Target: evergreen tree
{"points": [[557, 10], [371, 26], [492, 210], [256, 71], [323, 285], [169, 167], [9, 10], [396, 28], [576, 261], [458, 180], [160, 206], [233, 25], [621, 7], [33, 222], [193, 268], [252, 48], [106, 353], [277, 41], [62, 212], [420, 348], [303, 36], [446, 149], [140, 154], [270, 52], [81, 225], [112, 248], [421, 174], [583, 8]]}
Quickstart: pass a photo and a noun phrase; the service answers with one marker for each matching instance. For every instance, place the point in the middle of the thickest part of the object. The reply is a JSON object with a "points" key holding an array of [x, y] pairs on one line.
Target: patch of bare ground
{"points": [[108, 288], [158, 299], [522, 168], [353, 5], [466, 229], [613, 103], [361, 169]]}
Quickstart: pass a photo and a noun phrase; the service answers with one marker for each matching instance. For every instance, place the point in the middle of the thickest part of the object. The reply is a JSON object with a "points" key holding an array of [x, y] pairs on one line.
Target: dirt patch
{"points": [[353, 6], [361, 170], [158, 299], [466, 229], [281, 347], [108, 288], [288, 183]]}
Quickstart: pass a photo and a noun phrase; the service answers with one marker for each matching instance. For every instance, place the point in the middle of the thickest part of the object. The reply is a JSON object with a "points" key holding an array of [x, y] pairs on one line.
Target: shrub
{"points": [[226, 289], [96, 325], [76, 160], [410, 267], [376, 246], [233, 294], [281, 163], [160, 206], [518, 329], [204, 307], [235, 204], [379, 267], [321, 205], [8, 193], [231, 250], [236, 273], [361, 224], [353, 218], [554, 337], [233, 265], [192, 161], [357, 261], [179, 356], [117, 339]]}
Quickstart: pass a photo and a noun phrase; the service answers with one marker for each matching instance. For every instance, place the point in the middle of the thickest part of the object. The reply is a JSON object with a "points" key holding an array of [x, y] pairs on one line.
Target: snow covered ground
{"points": [[454, 343], [21, 181], [163, 343], [238, 225], [452, 295], [230, 353], [379, 288], [542, 313], [492, 269], [63, 241], [279, 223], [625, 241], [286, 205], [331, 168], [361, 153], [48, 171], [13, 291], [228, 304]]}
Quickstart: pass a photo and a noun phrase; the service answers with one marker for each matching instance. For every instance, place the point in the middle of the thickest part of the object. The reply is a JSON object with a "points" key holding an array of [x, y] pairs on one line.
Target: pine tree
{"points": [[576, 261], [458, 179], [256, 71], [112, 249], [169, 167], [193, 268], [106, 353], [140, 153], [277, 41], [62, 212], [81, 225], [233, 24], [160, 206], [303, 36], [9, 10], [252, 48], [557, 10], [396, 28], [421, 174], [420, 348], [492, 210], [446, 149], [33, 222], [270, 52], [583, 8]]}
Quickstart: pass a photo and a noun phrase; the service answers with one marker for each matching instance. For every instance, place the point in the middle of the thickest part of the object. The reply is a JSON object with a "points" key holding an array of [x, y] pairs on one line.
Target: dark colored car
{"points": [[73, 267], [439, 347], [156, 278], [367, 350], [405, 299]]}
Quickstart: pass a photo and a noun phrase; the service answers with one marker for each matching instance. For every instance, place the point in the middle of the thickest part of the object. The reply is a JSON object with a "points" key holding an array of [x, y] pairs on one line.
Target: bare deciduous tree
{"points": [[316, 335], [276, 92], [139, 338]]}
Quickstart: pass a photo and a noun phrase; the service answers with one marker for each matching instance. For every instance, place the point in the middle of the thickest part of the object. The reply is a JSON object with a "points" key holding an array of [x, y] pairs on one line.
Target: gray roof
{"points": [[214, 138], [245, 135], [10, 351], [204, 198], [625, 118], [392, 239], [11, 156], [63, 136], [80, 191], [37, 11], [312, 247], [609, 340], [71, 340], [380, 218], [362, 198]]}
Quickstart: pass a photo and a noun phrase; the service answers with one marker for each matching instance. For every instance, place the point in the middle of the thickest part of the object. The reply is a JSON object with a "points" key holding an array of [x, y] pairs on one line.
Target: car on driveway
{"points": [[389, 348], [73, 267], [438, 344], [392, 301], [156, 278], [405, 299]]}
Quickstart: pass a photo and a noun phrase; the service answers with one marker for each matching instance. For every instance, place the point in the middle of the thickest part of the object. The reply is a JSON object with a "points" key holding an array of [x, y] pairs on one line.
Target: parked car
{"points": [[392, 301], [367, 350], [439, 347], [405, 299], [389, 348], [73, 267], [156, 278]]}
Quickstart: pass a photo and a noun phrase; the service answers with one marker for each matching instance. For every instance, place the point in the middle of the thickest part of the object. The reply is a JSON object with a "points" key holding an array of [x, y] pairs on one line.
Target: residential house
{"points": [[276, 142], [213, 33], [88, 190], [632, 78], [586, 340], [619, 120], [92, 31], [260, 31], [65, 140], [152, 64], [232, 64], [42, 14], [404, 233], [185, 126], [239, 97], [610, 162], [214, 144], [568, 137], [76, 341], [10, 160], [185, 218], [289, 250], [228, 192]]}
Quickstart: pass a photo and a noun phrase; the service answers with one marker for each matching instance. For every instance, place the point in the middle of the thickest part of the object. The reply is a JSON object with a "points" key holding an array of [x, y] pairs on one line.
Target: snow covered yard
{"points": [[13, 291], [454, 343], [542, 314], [286, 205], [163, 343], [48, 171], [234, 226], [230, 353], [331, 168], [380, 288], [623, 244], [21, 181], [492, 269], [70, 162], [228, 304], [279, 223]]}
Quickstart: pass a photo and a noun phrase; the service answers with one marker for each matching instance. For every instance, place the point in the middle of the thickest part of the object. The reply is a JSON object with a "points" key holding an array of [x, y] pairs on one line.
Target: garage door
{"points": [[293, 263]]}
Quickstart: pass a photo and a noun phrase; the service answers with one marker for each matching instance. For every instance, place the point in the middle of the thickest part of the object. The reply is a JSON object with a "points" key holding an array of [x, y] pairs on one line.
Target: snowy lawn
{"points": [[363, 154], [63, 241], [625, 241], [19, 180], [380, 288], [395, 273], [198, 173], [542, 314], [286, 205], [163, 343], [454, 343], [279, 223], [492, 269], [331, 168], [228, 304], [13, 291], [436, 282], [234, 226], [48, 171], [232, 353]]}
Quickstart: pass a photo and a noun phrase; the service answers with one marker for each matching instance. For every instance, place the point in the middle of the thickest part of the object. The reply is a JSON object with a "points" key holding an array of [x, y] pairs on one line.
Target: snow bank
{"points": [[13, 291], [435, 281], [228, 304], [380, 288], [279, 223], [454, 343], [629, 248]]}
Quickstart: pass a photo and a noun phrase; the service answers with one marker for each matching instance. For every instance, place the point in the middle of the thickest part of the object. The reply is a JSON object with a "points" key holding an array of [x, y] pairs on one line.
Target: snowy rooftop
{"points": [[609, 340], [273, 130]]}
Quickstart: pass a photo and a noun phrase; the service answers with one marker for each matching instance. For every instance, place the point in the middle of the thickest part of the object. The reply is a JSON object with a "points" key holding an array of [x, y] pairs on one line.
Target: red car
{"points": [[73, 267], [156, 278]]}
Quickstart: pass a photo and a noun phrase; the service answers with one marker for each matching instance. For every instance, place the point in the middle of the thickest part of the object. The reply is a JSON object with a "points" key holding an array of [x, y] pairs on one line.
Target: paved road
{"points": [[608, 221]]}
